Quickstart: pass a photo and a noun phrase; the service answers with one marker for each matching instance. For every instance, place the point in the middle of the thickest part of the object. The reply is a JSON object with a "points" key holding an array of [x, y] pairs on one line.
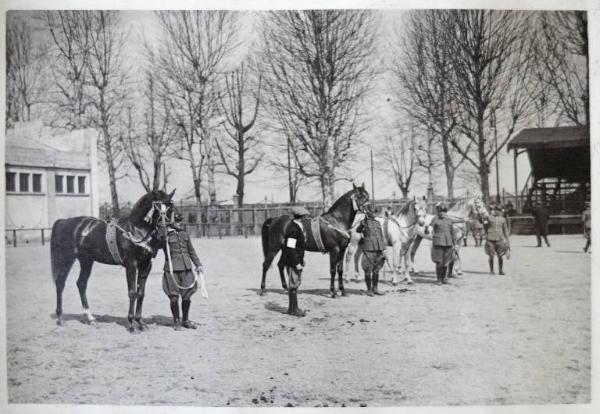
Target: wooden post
{"points": [[14, 238], [43, 241]]}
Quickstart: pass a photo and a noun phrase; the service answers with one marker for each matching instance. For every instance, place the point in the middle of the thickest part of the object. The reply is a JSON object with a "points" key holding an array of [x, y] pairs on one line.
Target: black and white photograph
{"points": [[272, 205]]}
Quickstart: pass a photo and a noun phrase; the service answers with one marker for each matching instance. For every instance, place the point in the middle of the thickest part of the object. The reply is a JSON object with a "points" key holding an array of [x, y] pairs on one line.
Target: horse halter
{"points": [[162, 209]]}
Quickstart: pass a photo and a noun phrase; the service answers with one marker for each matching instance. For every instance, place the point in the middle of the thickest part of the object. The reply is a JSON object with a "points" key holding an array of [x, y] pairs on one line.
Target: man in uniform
{"points": [[497, 242], [179, 279], [540, 216], [293, 258], [373, 246], [442, 242], [586, 217]]}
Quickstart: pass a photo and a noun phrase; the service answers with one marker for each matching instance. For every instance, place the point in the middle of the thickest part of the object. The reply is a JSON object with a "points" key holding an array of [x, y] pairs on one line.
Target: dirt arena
{"points": [[523, 338]]}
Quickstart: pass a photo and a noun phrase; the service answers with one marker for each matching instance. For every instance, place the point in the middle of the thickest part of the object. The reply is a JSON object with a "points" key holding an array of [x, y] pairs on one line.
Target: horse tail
{"points": [[265, 235], [55, 250]]}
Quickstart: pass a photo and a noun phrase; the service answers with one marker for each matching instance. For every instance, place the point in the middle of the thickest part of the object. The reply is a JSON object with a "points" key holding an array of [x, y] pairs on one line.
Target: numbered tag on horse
{"points": [[291, 243]]}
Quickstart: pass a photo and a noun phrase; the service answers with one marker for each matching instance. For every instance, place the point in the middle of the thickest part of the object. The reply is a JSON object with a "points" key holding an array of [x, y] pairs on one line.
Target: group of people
{"points": [[182, 263]]}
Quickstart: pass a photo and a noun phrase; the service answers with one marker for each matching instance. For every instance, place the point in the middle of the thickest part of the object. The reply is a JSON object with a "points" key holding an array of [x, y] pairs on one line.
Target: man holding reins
{"points": [[293, 257], [179, 279]]}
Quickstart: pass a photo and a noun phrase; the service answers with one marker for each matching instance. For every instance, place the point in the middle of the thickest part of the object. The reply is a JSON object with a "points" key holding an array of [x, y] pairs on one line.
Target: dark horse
{"points": [[334, 227], [138, 237]]}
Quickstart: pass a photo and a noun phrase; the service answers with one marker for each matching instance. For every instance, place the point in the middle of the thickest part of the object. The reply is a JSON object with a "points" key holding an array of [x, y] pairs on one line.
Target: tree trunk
{"points": [[450, 181], [156, 176], [404, 192], [114, 196], [484, 172]]}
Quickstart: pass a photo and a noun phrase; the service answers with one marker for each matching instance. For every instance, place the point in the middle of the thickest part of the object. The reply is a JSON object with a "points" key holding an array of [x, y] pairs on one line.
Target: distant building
{"points": [[49, 176]]}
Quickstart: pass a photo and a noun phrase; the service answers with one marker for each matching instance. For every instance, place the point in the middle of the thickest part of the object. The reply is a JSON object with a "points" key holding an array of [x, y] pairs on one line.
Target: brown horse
{"points": [[334, 226], [132, 243]]}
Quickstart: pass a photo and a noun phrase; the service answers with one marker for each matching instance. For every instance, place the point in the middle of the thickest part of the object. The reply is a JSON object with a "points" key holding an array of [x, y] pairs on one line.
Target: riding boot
{"points": [[175, 312], [444, 273], [186, 323], [295, 311], [450, 270], [375, 283], [369, 285], [291, 307], [491, 262], [500, 264]]}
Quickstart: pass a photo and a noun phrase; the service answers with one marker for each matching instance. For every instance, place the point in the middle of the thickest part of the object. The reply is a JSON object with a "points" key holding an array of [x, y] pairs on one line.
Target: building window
{"points": [[23, 182], [70, 184], [58, 184], [81, 185], [11, 181], [37, 183]]}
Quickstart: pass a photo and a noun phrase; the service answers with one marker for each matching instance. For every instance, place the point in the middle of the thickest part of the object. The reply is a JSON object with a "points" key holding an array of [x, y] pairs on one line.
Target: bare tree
{"points": [[149, 150], [422, 68], [426, 153], [193, 48], [72, 37], [91, 79], [492, 58], [316, 71], [399, 156], [238, 150], [25, 64], [563, 62]]}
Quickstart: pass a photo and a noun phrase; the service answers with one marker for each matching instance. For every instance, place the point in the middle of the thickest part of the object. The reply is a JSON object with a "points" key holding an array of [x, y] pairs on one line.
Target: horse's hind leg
{"points": [[85, 264], [280, 266], [61, 276], [340, 271], [131, 272], [266, 264]]}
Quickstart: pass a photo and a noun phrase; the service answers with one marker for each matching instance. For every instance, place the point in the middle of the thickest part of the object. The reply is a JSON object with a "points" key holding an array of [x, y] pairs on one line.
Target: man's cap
{"points": [[441, 207], [300, 211], [177, 217], [494, 207]]}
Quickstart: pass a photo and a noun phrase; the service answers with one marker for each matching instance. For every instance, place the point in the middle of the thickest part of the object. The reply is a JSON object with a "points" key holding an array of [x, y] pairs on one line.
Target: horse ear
{"points": [[171, 195], [353, 186], [363, 185]]}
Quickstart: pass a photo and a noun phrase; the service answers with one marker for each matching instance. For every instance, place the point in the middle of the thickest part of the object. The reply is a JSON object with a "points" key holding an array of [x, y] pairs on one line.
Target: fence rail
{"points": [[14, 237]]}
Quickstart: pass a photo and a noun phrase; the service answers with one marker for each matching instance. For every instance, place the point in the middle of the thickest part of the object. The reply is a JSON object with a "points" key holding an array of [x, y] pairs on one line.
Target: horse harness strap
{"points": [[315, 227], [111, 241]]}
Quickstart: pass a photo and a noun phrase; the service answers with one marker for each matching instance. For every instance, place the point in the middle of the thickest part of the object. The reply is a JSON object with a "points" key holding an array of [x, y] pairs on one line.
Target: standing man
{"points": [[373, 246], [540, 216], [586, 217], [497, 242], [179, 279], [442, 244], [293, 257]]}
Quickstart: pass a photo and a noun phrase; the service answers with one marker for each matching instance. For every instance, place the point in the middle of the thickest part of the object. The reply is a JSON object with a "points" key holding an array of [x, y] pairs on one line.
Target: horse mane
{"points": [[339, 201], [405, 208]]}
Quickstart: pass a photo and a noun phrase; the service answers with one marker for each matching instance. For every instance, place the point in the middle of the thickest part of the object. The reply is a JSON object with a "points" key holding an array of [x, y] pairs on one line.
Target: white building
{"points": [[49, 176]]}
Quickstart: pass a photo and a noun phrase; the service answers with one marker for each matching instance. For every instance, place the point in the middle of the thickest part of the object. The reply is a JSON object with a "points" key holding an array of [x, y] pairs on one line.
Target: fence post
{"points": [[43, 241], [14, 238], [219, 227]]}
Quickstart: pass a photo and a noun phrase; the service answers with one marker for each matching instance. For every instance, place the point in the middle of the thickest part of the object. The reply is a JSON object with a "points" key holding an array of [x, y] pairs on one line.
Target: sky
{"points": [[267, 184]]}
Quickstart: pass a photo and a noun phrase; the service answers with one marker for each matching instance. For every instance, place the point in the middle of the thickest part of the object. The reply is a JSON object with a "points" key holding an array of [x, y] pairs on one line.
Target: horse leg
{"points": [[143, 272], [85, 263], [348, 256], [414, 246], [280, 266], [60, 278], [357, 256], [266, 264], [340, 271], [457, 270], [407, 266], [131, 272], [333, 258]]}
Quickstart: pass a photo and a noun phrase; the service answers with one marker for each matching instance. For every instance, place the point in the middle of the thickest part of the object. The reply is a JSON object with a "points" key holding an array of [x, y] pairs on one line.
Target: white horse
{"points": [[459, 213], [398, 233]]}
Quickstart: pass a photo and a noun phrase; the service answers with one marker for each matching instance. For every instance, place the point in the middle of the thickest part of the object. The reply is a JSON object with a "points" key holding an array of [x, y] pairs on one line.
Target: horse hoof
{"points": [[143, 327], [92, 322], [333, 295], [394, 284], [131, 329], [60, 322], [262, 292], [344, 293]]}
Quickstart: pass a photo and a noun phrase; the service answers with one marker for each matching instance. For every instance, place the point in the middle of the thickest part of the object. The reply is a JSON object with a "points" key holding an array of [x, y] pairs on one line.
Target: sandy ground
{"points": [[523, 338]]}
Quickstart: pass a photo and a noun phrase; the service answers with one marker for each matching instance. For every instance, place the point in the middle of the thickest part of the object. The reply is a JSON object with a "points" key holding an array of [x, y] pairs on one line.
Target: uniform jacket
{"points": [[293, 250], [372, 235], [496, 228], [540, 216], [442, 232], [183, 255]]}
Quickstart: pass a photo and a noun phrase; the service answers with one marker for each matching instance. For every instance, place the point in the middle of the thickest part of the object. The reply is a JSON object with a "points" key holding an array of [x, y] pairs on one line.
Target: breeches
{"points": [[294, 277], [185, 279]]}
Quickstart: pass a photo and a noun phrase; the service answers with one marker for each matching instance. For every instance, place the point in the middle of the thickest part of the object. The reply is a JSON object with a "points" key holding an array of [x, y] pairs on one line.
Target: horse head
{"points": [[421, 210], [360, 197], [154, 210], [478, 208]]}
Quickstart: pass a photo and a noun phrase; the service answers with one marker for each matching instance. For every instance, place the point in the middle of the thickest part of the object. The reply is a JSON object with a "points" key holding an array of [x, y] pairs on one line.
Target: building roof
{"points": [[558, 137], [32, 153]]}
